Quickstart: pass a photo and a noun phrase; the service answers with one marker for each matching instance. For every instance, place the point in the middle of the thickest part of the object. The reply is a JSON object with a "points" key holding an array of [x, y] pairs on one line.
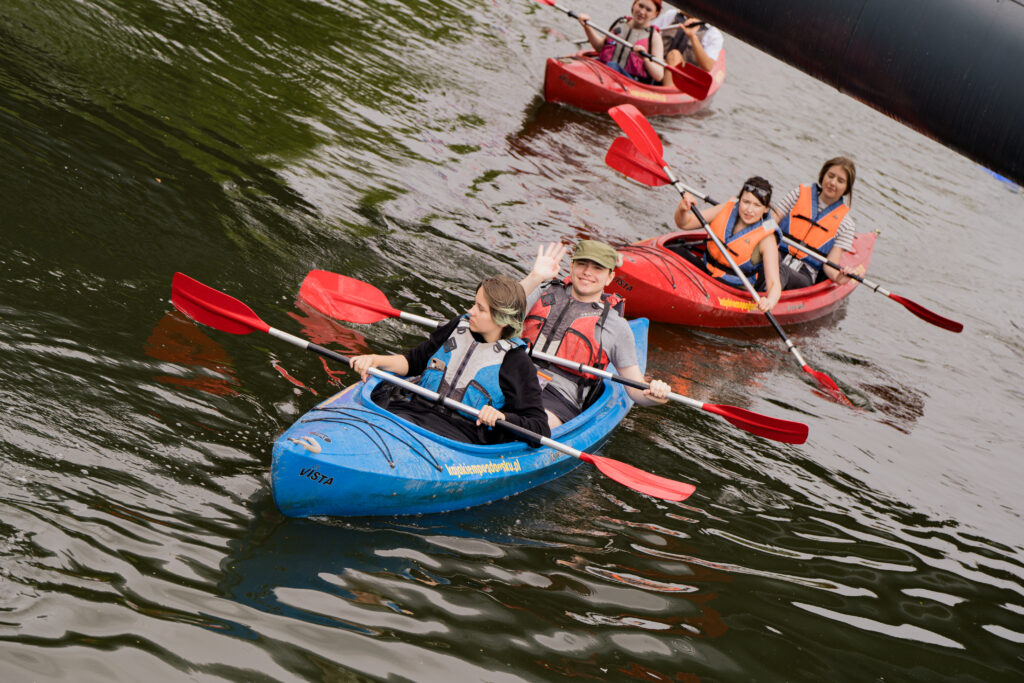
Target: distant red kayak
{"points": [[661, 285], [582, 81]]}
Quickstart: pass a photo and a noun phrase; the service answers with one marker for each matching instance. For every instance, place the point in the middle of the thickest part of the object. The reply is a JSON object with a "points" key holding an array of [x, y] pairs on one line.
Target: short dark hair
{"points": [[759, 187]]}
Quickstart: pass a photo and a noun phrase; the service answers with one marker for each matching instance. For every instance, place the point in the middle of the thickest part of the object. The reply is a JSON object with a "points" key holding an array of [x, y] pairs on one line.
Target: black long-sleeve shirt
{"points": [[517, 378]]}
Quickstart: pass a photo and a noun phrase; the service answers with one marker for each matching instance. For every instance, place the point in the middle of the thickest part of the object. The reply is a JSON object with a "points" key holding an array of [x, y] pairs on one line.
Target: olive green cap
{"points": [[598, 252]]}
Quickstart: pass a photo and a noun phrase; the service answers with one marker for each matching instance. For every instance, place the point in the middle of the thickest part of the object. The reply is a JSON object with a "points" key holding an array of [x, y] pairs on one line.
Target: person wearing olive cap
{"points": [[575, 319]]}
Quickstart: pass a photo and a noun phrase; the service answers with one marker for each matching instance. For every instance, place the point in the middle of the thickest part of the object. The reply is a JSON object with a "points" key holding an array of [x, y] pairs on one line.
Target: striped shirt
{"points": [[844, 236]]}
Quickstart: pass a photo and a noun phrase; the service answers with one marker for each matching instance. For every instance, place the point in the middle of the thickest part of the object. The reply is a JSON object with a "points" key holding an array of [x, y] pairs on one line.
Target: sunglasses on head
{"points": [[762, 194]]}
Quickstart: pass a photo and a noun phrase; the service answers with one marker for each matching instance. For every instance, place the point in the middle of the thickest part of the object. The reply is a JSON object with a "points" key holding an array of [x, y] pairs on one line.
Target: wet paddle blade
{"points": [[774, 428], [638, 129], [692, 80], [924, 314], [827, 383], [211, 307], [638, 480], [624, 157], [345, 298]]}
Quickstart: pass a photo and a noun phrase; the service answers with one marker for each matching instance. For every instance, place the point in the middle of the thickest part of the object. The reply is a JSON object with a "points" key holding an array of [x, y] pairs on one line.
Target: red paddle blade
{"points": [[624, 157], [826, 383], [547, 2], [638, 480], [692, 80], [210, 307], [924, 314], [774, 428], [345, 298], [639, 130]]}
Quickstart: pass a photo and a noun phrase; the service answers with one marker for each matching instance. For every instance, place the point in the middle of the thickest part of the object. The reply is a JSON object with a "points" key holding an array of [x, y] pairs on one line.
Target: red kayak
{"points": [[661, 285], [581, 81]]}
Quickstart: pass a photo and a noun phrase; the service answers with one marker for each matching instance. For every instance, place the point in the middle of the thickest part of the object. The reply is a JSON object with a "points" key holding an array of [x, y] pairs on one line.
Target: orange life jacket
{"points": [[741, 245], [805, 224]]}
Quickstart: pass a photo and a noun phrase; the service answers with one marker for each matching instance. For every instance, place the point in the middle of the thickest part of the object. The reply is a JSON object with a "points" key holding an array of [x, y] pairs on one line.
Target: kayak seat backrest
{"points": [[680, 245], [594, 394], [672, 38]]}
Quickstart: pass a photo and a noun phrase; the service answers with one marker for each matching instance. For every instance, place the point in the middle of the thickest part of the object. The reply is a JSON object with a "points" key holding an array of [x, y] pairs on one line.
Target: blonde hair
{"points": [[507, 300]]}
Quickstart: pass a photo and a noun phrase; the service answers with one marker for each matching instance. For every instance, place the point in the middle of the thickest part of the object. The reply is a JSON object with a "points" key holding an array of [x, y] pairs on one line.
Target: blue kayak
{"points": [[349, 457]]}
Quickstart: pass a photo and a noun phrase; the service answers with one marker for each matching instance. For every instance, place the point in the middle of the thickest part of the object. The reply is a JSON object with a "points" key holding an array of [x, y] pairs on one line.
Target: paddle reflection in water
{"points": [[742, 366], [176, 339]]}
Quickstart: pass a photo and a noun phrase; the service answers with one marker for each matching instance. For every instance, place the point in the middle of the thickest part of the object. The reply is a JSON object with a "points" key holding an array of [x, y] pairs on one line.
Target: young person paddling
{"points": [[575, 319], [745, 226], [635, 29], [687, 39], [818, 216], [477, 359]]}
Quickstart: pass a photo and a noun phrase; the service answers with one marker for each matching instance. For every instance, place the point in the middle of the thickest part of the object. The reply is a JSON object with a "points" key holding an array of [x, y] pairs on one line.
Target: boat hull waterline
{"points": [[661, 285], [583, 82]]}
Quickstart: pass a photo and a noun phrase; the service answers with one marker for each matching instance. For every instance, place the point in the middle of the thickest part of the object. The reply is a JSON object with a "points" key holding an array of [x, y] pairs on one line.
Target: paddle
{"points": [[216, 309], [690, 79], [639, 130], [346, 298], [626, 158], [912, 306]]}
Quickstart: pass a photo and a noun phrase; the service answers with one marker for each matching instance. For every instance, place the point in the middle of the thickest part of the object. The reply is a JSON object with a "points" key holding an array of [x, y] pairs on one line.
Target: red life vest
{"points": [[805, 224], [741, 245], [575, 326]]}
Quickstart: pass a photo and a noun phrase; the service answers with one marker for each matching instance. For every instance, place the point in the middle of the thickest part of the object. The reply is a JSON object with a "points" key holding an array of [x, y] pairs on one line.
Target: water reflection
{"points": [[472, 583], [177, 339]]}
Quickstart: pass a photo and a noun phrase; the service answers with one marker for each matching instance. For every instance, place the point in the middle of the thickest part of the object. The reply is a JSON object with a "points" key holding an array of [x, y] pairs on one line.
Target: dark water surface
{"points": [[406, 144]]}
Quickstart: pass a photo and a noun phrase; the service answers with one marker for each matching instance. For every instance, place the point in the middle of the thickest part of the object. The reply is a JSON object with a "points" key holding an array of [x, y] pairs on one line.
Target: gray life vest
{"points": [[466, 370]]}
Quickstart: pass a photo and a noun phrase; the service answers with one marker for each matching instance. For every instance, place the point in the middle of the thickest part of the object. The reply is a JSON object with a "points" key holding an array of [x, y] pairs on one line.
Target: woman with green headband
{"points": [[477, 359]]}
